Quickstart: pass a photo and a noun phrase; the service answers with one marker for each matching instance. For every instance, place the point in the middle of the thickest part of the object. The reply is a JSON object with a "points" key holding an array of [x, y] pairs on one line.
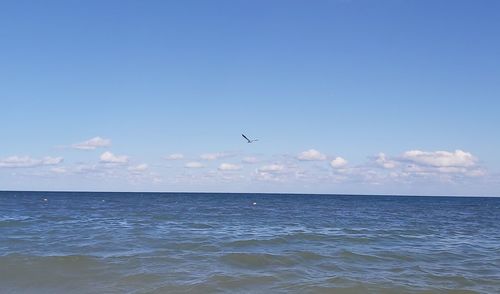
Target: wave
{"points": [[257, 260], [309, 256], [6, 222], [230, 282], [350, 256], [255, 242], [48, 261], [194, 246], [200, 226]]}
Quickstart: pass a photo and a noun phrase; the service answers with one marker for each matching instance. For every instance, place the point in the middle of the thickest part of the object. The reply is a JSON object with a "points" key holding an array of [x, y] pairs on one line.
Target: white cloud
{"points": [[26, 161], [458, 158], [175, 156], [83, 168], [250, 160], [108, 157], [338, 162], [213, 156], [442, 166], [272, 168], [229, 167], [476, 173], [51, 160], [194, 164], [58, 170], [92, 144], [311, 154], [139, 168], [276, 173], [384, 162]]}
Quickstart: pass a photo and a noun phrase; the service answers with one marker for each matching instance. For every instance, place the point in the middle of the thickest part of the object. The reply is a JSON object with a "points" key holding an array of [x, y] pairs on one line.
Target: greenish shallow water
{"points": [[213, 243]]}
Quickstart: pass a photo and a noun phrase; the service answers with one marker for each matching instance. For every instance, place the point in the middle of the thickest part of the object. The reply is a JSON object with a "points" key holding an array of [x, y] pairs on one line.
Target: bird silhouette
{"points": [[248, 140]]}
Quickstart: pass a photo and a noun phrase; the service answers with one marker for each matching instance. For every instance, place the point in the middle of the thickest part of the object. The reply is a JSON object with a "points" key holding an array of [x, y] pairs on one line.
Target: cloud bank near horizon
{"points": [[308, 168], [92, 144]]}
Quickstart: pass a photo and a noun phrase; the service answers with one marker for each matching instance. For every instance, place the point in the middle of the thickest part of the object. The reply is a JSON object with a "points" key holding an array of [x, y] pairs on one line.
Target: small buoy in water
{"points": [[45, 199], [255, 203]]}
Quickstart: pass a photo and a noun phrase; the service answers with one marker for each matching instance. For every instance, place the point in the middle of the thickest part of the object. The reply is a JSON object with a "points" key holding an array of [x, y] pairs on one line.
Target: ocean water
{"points": [[247, 243]]}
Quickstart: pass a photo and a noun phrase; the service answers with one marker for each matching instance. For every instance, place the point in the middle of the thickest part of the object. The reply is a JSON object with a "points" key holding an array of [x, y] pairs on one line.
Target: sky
{"points": [[351, 97]]}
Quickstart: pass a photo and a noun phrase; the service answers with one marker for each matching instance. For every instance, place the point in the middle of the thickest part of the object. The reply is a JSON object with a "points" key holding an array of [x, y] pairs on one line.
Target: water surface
{"points": [[247, 243]]}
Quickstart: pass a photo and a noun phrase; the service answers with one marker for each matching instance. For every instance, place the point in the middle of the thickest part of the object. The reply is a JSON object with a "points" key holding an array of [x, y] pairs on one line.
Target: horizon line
{"points": [[259, 193]]}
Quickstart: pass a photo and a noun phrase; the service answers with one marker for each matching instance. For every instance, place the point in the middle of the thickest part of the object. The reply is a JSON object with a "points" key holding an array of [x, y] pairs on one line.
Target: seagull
{"points": [[248, 140]]}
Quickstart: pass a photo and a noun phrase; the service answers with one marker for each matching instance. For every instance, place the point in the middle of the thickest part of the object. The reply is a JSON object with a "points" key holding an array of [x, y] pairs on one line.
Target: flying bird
{"points": [[248, 140]]}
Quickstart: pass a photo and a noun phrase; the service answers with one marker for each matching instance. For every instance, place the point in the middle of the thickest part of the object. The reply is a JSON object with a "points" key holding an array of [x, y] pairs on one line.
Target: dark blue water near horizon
{"points": [[86, 242]]}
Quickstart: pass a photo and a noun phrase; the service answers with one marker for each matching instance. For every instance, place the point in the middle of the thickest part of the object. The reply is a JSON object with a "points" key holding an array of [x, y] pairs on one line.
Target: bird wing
{"points": [[245, 137]]}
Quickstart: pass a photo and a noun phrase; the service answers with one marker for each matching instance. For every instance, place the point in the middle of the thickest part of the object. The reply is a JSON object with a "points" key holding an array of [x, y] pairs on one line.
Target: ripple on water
{"points": [[257, 260], [194, 246], [255, 242], [232, 283], [305, 256], [7, 222], [350, 256], [200, 226], [54, 272], [397, 256]]}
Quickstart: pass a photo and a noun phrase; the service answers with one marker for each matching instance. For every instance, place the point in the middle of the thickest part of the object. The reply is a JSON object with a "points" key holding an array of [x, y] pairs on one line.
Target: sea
{"points": [[74, 242]]}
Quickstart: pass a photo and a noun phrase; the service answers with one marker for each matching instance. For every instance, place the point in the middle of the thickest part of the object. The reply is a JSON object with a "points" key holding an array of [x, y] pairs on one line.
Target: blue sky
{"points": [[345, 96]]}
